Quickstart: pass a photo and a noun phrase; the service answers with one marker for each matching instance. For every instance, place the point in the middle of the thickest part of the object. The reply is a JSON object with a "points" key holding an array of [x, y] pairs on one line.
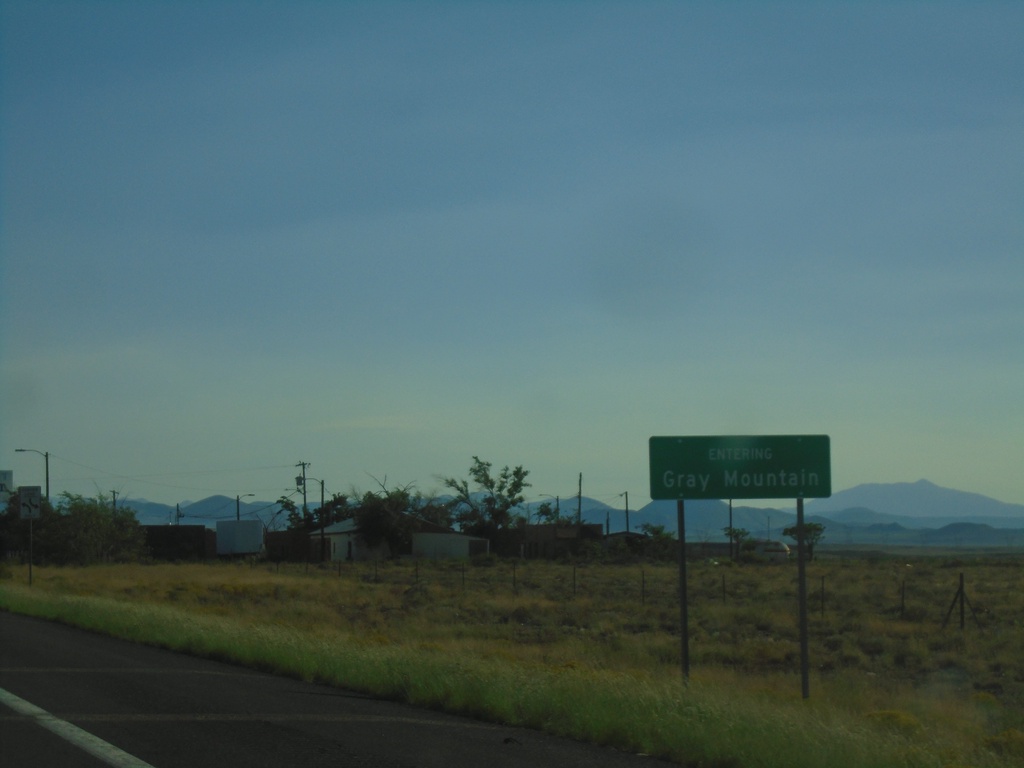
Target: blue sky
{"points": [[386, 237]]}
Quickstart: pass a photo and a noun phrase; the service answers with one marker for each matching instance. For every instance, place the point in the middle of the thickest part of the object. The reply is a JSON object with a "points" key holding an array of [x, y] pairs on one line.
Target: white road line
{"points": [[94, 745]]}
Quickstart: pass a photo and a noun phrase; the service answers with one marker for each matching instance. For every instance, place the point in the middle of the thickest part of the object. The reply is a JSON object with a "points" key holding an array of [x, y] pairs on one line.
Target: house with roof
{"points": [[343, 542]]}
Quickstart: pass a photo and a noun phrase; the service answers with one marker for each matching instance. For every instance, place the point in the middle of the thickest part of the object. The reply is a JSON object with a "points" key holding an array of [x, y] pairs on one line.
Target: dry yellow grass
{"points": [[527, 646]]}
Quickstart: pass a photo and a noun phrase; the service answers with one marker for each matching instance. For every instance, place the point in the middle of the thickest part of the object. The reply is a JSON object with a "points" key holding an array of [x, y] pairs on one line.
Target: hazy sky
{"points": [[386, 237]]}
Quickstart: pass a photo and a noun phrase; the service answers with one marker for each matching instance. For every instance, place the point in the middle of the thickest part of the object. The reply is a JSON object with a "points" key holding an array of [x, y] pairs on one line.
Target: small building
{"points": [[552, 540], [772, 551], [710, 550], [342, 541], [180, 542], [288, 546], [433, 545]]}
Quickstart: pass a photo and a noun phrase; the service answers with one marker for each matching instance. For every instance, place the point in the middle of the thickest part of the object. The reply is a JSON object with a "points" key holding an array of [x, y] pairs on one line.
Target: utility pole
{"points": [[626, 494], [46, 459], [114, 503], [301, 480], [579, 502], [320, 514], [238, 506]]}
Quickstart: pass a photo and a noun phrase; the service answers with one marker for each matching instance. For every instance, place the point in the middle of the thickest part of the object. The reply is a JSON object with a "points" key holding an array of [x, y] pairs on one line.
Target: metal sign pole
{"points": [[30, 500], [742, 467], [801, 564], [684, 625]]}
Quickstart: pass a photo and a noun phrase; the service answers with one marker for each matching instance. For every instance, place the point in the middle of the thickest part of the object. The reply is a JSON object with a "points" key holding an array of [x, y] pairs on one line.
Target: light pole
{"points": [[238, 505], [320, 514], [46, 457], [558, 510]]}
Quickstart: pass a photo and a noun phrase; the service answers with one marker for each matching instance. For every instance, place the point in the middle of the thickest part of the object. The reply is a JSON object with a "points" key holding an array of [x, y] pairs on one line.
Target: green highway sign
{"points": [[741, 467]]}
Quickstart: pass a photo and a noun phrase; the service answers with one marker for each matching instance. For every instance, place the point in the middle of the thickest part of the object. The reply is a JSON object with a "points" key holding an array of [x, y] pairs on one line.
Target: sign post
{"points": [[30, 499], [742, 467]]}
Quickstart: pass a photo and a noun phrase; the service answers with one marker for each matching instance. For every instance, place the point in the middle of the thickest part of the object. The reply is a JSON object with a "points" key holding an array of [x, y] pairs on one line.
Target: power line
{"points": [[148, 478]]}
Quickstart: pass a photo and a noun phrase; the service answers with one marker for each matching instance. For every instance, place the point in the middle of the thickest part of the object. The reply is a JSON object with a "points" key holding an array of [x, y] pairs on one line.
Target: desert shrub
{"points": [[834, 643], [895, 720], [1009, 743], [910, 654], [852, 659], [873, 645]]}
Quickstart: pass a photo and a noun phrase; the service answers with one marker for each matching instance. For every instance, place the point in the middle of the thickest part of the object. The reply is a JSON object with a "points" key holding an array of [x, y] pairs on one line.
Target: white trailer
{"points": [[239, 537]]}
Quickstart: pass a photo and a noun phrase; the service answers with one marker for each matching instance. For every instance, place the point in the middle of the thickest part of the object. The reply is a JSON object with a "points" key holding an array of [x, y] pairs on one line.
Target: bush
{"points": [[1009, 743], [895, 720]]}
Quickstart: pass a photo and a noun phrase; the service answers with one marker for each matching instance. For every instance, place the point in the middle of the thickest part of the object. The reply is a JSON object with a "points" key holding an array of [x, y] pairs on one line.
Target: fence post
{"points": [[963, 623]]}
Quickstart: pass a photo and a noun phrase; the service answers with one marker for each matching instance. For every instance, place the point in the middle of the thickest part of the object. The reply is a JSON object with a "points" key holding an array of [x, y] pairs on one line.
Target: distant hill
{"points": [[203, 512], [912, 514], [908, 513], [707, 519], [920, 499]]}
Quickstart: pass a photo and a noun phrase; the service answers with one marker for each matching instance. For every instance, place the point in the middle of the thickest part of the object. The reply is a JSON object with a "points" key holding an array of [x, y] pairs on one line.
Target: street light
{"points": [[320, 513], [238, 505], [558, 510], [46, 456]]}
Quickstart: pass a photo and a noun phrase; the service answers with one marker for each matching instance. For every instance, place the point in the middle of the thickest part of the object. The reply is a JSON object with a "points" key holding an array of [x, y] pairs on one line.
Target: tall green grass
{"points": [[563, 665]]}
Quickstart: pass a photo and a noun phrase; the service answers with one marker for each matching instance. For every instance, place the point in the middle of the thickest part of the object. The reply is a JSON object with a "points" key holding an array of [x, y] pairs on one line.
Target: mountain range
{"points": [[908, 514], [914, 514]]}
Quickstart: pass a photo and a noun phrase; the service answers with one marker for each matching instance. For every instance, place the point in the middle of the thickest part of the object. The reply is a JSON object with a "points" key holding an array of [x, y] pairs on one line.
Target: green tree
{"points": [[431, 510], [334, 510], [383, 517], [296, 520], [660, 544], [737, 536], [488, 511], [79, 531], [813, 533], [546, 513]]}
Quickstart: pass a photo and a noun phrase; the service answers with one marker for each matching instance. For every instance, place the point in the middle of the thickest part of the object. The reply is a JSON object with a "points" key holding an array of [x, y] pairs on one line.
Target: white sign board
{"points": [[31, 498], [6, 485], [239, 537]]}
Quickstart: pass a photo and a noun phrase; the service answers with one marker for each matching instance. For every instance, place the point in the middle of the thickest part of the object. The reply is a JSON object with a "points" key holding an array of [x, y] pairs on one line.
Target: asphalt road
{"points": [[75, 699]]}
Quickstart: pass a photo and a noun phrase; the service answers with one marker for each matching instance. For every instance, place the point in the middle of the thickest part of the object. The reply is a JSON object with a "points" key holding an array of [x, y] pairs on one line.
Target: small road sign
{"points": [[31, 498]]}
